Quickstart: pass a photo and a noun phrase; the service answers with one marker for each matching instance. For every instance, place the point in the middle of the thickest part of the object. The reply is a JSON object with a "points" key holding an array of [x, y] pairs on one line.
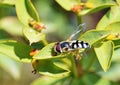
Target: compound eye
{"points": [[57, 48]]}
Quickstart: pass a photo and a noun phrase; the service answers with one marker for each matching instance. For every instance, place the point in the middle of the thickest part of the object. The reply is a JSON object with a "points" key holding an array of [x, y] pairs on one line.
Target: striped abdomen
{"points": [[65, 46]]}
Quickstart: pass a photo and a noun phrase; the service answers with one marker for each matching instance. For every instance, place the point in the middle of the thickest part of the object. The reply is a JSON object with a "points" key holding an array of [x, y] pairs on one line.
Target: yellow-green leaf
{"points": [[93, 6], [115, 29], [15, 50], [31, 10], [67, 4], [116, 55], [32, 35], [104, 52], [8, 2], [118, 2], [23, 11], [103, 81], [94, 36], [110, 17], [50, 81], [48, 68]]}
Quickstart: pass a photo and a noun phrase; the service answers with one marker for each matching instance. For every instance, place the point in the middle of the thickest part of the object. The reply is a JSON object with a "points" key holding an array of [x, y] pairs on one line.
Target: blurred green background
{"points": [[60, 24]]}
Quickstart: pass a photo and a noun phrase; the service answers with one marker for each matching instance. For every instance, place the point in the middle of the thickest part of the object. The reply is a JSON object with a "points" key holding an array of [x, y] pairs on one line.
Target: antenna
{"points": [[79, 29]]}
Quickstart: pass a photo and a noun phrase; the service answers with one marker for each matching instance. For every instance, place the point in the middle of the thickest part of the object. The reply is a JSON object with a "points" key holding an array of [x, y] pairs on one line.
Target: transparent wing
{"points": [[80, 28]]}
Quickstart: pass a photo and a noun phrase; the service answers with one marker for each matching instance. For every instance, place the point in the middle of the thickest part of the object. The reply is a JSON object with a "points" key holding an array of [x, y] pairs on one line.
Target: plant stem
{"points": [[74, 69], [79, 19]]}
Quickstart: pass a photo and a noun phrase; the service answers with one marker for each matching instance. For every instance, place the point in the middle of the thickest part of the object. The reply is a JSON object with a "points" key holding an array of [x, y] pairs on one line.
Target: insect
{"points": [[71, 45], [66, 46]]}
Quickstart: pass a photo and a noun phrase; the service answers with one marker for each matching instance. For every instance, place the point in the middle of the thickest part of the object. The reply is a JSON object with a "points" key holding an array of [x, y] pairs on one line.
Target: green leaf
{"points": [[77, 81], [115, 29], [32, 35], [89, 79], [15, 50], [48, 53], [67, 4], [88, 59], [48, 68], [116, 43], [64, 63], [8, 2], [103, 82], [100, 2], [22, 12], [31, 10], [118, 2], [110, 17], [96, 5], [4, 35], [94, 36], [10, 66], [45, 53], [116, 54], [43, 79], [104, 52], [90, 6]]}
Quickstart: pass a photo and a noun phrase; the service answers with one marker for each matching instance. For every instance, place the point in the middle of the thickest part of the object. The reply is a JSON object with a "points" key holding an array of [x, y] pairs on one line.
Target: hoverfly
{"points": [[71, 45]]}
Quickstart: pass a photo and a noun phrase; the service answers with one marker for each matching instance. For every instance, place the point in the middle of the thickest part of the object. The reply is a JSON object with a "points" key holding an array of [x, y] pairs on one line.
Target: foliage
{"points": [[63, 69]]}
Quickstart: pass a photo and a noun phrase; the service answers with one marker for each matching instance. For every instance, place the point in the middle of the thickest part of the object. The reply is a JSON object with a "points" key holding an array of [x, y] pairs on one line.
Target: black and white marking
{"points": [[65, 46]]}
